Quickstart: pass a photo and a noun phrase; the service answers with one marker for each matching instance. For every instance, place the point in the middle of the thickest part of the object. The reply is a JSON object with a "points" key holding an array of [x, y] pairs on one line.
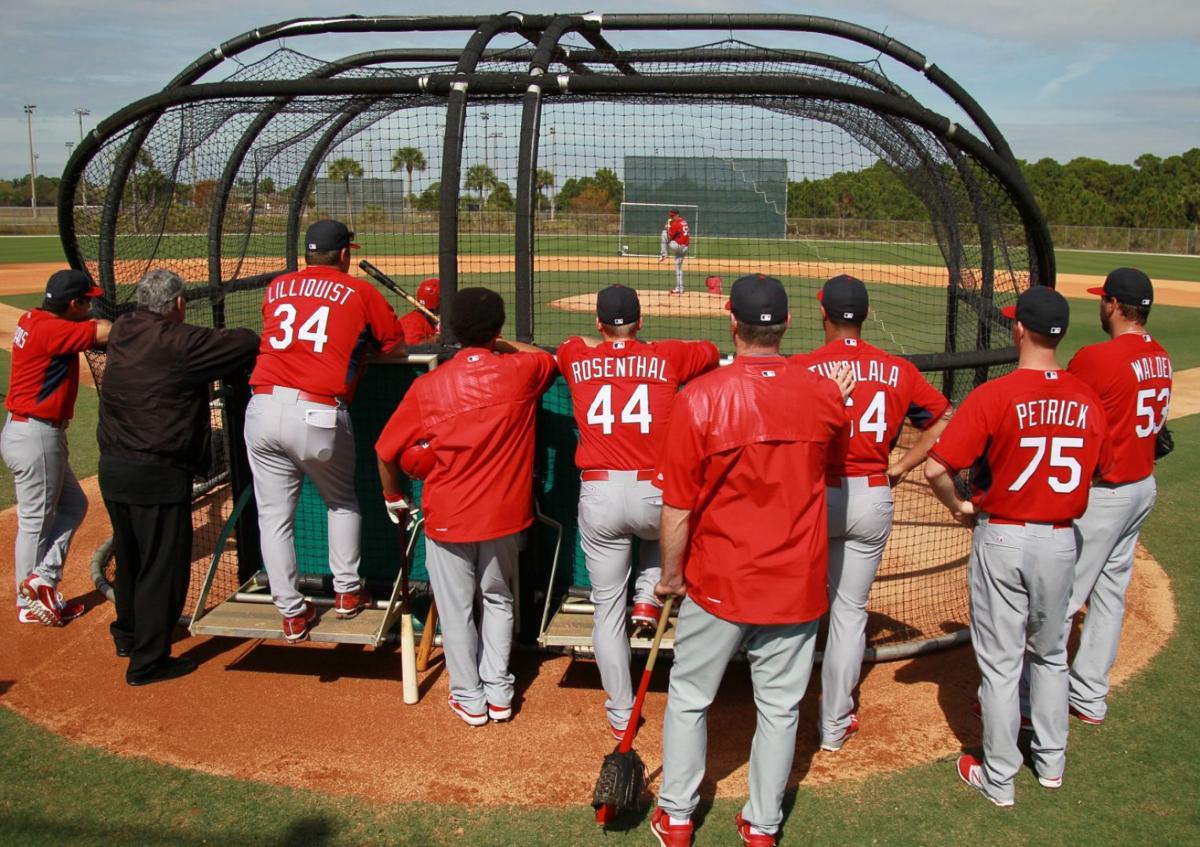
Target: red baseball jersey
{"points": [[1132, 375], [745, 454], [622, 393], [318, 325], [677, 230], [1034, 440], [417, 328], [887, 390], [44, 380], [477, 413]]}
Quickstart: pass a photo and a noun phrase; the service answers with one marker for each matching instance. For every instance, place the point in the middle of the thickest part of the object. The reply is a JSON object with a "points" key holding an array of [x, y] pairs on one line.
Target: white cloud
{"points": [[1075, 70]]}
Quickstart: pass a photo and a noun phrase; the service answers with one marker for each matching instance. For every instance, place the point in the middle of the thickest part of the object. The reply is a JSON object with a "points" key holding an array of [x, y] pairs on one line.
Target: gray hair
{"points": [[157, 290]]}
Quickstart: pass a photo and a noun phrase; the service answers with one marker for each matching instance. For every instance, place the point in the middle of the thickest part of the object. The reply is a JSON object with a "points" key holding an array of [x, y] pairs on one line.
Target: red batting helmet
{"points": [[429, 294], [418, 460], [713, 283]]}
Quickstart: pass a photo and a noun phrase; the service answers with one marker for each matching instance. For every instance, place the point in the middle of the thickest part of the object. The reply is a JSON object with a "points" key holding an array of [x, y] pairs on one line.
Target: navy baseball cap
{"points": [[1041, 309], [845, 298], [64, 286], [618, 305], [328, 235], [758, 299], [1129, 286]]}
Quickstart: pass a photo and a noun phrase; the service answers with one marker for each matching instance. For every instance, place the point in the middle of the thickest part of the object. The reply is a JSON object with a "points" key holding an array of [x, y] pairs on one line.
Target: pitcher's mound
{"points": [[657, 303]]}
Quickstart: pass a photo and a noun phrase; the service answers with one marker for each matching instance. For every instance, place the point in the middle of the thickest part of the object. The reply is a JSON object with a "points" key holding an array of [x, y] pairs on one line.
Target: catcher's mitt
{"points": [[621, 783], [1164, 444]]}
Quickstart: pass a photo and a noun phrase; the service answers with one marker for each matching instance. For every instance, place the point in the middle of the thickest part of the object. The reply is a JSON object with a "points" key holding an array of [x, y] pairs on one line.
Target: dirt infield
{"points": [[275, 713], [29, 278]]}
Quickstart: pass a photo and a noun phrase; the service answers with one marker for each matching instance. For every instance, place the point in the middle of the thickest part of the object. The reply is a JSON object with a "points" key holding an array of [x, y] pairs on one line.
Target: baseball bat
{"points": [[408, 652], [427, 637], [605, 813], [382, 278]]}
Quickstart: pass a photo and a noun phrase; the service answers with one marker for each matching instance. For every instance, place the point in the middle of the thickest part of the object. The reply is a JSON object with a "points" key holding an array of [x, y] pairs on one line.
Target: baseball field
{"points": [[1130, 781]]}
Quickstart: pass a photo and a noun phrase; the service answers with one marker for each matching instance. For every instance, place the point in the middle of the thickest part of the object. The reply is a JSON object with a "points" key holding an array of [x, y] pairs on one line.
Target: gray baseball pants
{"points": [[1020, 579], [860, 521], [678, 252], [611, 513], [1106, 536], [287, 439], [50, 503], [476, 649], [781, 659]]}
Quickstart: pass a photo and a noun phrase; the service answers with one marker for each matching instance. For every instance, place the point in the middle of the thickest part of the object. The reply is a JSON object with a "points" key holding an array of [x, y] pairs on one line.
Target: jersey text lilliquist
{"points": [[324, 289]]}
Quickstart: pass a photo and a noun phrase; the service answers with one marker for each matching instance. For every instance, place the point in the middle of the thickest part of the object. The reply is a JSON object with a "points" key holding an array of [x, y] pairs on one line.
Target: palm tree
{"points": [[483, 179], [343, 169], [544, 179], [411, 159]]}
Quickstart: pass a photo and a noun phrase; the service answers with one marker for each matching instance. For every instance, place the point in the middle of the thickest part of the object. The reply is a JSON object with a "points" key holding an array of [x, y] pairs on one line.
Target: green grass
{"points": [[49, 249], [1132, 781]]}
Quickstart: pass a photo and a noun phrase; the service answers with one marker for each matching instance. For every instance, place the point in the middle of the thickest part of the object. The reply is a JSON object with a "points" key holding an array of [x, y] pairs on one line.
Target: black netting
{"points": [[219, 189]]}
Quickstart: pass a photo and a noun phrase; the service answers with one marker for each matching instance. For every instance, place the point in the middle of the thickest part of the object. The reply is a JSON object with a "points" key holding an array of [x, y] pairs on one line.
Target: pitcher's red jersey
{"points": [[1034, 440], [1132, 375], [677, 230], [622, 392], [887, 390], [318, 325]]}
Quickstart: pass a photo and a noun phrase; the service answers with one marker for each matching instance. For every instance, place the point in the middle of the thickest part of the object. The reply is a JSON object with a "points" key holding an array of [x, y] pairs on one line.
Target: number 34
{"points": [[312, 329]]}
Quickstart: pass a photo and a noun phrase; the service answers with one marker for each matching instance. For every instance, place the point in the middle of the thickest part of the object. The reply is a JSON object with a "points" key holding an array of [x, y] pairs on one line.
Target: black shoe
{"points": [[123, 652], [168, 668]]}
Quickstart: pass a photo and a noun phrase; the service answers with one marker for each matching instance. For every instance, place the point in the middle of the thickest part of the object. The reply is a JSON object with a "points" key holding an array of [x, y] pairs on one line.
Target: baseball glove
{"points": [[1164, 444], [622, 782]]}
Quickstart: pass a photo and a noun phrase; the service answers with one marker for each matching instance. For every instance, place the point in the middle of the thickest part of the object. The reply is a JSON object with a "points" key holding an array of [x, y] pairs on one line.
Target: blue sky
{"points": [[1061, 78]]}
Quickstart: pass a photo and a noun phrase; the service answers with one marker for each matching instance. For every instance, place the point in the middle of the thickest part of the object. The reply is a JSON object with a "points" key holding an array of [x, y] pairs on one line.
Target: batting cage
{"points": [[535, 155]]}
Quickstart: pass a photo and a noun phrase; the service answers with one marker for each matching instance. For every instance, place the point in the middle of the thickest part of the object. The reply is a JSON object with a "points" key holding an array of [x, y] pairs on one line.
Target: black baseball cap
{"points": [[1128, 285], [1041, 309], [328, 235], [618, 305], [68, 285], [844, 298], [758, 299]]}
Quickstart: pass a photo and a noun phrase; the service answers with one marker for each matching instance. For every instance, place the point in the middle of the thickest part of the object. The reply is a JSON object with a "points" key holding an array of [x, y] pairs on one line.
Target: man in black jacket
{"points": [[153, 435]]}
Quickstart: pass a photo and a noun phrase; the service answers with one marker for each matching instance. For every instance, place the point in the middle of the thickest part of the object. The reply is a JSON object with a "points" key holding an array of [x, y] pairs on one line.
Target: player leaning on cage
{"points": [[1132, 375], [622, 389], [476, 413], [319, 325], [859, 484], [1033, 439], [674, 242], [44, 384]]}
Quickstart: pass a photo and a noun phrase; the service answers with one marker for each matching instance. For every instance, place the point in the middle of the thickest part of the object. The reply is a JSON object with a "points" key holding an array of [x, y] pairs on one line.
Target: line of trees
{"points": [[1152, 193]]}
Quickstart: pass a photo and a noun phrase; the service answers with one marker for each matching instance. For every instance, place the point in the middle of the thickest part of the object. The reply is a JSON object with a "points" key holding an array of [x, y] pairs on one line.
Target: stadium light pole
{"points": [[29, 107], [80, 112], [553, 188], [484, 117]]}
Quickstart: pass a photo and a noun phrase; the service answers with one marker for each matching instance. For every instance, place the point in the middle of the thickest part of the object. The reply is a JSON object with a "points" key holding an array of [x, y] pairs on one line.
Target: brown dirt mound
{"points": [[276, 713]]}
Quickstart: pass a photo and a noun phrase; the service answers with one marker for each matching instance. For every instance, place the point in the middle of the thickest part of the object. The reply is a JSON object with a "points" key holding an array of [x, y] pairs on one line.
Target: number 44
{"points": [[636, 411]]}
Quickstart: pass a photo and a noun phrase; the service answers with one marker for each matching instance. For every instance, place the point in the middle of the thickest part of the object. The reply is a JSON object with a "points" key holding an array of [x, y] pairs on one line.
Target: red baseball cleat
{"points": [[348, 605], [833, 745], [970, 771], [469, 718], [499, 713], [295, 628], [754, 839], [667, 833], [42, 600], [645, 615], [1087, 719]]}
